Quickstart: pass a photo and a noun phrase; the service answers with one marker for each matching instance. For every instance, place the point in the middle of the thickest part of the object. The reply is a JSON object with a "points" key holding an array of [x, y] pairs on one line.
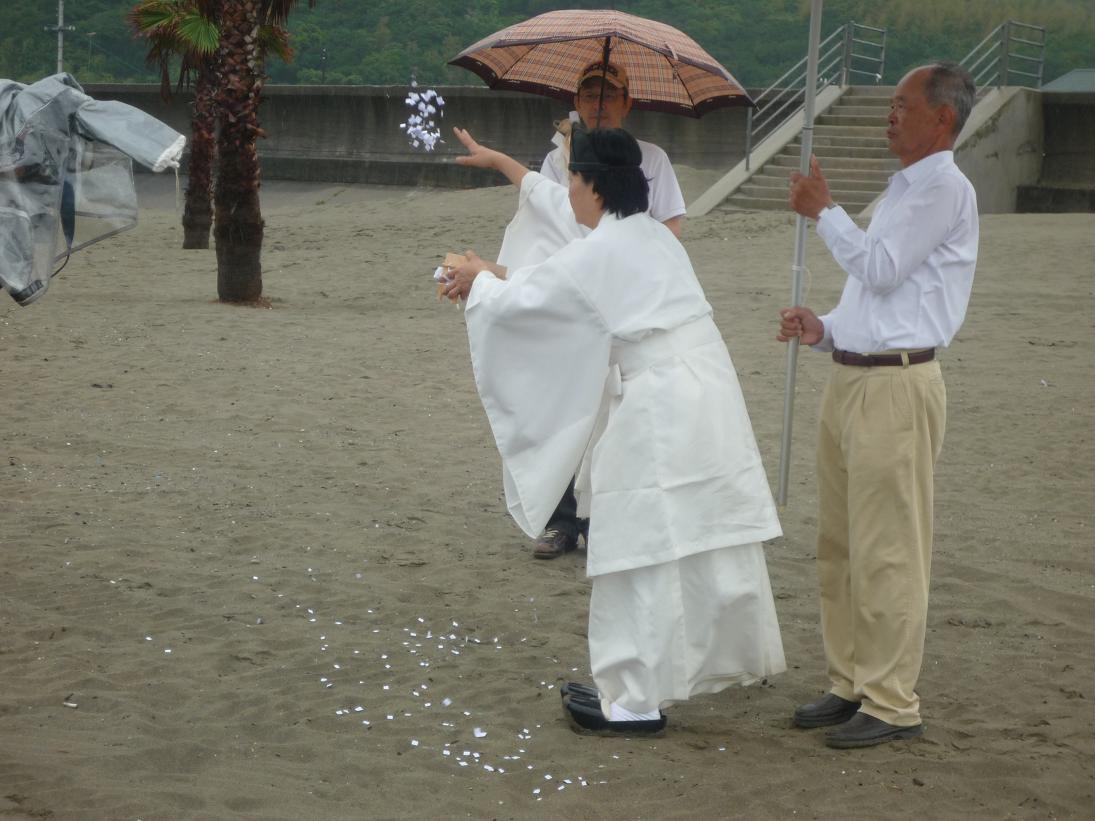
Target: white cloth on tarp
{"points": [[665, 633], [676, 469], [66, 174]]}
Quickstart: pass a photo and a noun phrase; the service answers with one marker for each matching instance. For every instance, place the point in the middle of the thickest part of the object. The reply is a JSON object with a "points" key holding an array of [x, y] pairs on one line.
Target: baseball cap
{"points": [[612, 74]]}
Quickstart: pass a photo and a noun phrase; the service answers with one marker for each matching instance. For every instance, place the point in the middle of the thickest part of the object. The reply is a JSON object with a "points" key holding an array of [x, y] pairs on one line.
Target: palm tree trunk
{"points": [[239, 225], [198, 212]]}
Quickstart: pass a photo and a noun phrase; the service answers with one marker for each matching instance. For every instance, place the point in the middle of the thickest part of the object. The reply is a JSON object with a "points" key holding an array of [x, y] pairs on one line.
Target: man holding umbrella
{"points": [[602, 101], [605, 61]]}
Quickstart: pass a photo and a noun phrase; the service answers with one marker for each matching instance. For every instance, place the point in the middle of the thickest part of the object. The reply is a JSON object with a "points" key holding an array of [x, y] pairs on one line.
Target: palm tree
{"points": [[238, 218], [175, 28]]}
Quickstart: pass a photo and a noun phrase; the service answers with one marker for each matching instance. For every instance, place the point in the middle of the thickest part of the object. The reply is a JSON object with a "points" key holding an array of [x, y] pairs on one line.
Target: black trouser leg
{"points": [[565, 517]]}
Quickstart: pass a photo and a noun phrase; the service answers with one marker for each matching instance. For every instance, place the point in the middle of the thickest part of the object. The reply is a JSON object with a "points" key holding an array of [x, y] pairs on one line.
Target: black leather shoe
{"points": [[587, 718], [585, 691], [863, 730], [826, 711]]}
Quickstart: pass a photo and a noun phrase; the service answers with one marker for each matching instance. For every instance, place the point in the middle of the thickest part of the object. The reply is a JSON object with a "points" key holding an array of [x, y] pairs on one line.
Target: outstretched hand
{"points": [[478, 156]]}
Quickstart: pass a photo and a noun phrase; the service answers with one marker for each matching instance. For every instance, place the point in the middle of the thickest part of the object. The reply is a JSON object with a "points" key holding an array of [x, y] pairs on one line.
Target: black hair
{"points": [[610, 159]]}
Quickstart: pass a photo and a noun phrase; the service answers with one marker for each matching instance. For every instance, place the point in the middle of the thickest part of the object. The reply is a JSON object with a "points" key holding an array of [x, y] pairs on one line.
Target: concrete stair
{"points": [[849, 142]]}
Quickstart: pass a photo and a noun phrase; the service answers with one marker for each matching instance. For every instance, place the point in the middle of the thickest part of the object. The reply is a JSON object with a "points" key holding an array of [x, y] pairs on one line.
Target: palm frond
{"points": [[276, 12], [199, 32], [274, 40]]}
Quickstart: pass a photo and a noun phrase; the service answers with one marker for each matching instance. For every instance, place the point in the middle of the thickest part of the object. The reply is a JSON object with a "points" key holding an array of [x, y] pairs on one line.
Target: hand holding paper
{"points": [[443, 273], [463, 271]]}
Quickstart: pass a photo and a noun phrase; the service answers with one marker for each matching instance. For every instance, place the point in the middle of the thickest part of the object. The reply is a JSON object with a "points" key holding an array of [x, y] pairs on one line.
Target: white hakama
{"points": [[607, 351], [667, 632]]}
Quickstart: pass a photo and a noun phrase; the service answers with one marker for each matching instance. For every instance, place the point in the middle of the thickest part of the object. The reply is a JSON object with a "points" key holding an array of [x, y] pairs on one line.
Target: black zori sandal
{"points": [[587, 718]]}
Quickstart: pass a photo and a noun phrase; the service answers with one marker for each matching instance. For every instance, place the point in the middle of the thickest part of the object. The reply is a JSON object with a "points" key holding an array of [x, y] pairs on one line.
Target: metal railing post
{"points": [[881, 60], [748, 137], [849, 33], [1005, 42]]}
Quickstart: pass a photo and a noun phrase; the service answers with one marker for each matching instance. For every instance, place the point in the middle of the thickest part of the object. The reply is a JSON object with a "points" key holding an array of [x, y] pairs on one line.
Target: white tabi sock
{"points": [[618, 713]]}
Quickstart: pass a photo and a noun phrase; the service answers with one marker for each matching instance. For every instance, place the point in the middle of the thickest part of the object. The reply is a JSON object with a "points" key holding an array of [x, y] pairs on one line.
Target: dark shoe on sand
{"points": [[553, 543], [862, 730], [826, 711], [586, 718]]}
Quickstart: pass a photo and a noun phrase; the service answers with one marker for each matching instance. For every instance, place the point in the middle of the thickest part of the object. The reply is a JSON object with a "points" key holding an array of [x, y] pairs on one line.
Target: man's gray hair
{"points": [[950, 84]]}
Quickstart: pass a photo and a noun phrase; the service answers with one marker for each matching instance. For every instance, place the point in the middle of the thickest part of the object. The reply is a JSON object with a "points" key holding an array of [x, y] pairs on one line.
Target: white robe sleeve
{"points": [[543, 224], [540, 354]]}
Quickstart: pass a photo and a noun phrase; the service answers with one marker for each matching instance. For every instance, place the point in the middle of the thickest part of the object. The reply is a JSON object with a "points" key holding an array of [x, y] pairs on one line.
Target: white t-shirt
{"points": [[666, 199]]}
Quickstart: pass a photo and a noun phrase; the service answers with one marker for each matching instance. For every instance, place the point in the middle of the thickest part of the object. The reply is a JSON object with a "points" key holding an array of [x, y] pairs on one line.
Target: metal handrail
{"points": [[845, 52], [990, 63]]}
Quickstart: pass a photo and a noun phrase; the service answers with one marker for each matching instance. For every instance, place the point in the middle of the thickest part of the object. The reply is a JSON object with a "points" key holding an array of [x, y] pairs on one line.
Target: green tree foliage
{"points": [[388, 41], [101, 49]]}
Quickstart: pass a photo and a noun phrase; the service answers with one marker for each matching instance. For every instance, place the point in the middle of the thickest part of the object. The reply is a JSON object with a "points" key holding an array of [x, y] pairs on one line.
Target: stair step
{"points": [[826, 130], [737, 201], [861, 92], [845, 140], [840, 119], [861, 110], [840, 191], [836, 176], [838, 152], [889, 165], [872, 102]]}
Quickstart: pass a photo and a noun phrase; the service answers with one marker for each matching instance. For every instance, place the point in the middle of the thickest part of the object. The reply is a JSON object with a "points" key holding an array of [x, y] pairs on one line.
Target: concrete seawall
{"points": [[351, 133], [1067, 178]]}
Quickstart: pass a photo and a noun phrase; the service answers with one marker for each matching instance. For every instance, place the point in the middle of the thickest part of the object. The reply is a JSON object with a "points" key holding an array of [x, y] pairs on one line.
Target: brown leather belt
{"points": [[870, 360]]}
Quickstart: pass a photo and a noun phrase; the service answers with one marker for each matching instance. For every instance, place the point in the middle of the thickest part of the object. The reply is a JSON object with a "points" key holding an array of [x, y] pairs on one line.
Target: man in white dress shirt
{"points": [[884, 409]]}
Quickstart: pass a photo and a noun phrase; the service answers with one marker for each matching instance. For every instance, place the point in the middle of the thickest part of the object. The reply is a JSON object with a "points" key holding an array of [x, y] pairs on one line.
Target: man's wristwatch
{"points": [[825, 210]]}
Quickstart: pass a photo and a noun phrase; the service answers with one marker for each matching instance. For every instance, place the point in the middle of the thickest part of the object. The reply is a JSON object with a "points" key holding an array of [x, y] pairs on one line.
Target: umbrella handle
{"points": [[604, 78]]}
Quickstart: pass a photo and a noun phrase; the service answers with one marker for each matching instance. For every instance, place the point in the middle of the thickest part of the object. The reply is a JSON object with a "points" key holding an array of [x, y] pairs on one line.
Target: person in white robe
{"points": [[605, 357]]}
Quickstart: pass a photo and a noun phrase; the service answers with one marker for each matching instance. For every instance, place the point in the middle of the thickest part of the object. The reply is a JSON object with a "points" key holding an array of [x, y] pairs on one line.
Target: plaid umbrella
{"points": [[667, 70]]}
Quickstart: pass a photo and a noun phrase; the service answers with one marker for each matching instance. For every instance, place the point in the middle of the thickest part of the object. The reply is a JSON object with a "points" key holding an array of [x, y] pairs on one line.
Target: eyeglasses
{"points": [[610, 95]]}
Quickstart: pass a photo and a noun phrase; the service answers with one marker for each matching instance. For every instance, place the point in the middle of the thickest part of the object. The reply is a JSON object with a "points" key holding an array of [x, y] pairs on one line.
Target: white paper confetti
{"points": [[421, 127]]}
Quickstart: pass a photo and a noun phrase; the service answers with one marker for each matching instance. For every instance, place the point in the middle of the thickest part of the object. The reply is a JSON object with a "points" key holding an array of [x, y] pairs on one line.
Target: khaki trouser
{"points": [[880, 433]]}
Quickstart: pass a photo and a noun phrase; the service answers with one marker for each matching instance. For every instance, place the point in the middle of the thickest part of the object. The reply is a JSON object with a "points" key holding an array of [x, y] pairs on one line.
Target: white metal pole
{"points": [[800, 249], [60, 36], [60, 28]]}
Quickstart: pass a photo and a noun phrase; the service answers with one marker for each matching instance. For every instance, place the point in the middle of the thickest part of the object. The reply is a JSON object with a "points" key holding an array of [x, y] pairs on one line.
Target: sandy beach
{"points": [[257, 562]]}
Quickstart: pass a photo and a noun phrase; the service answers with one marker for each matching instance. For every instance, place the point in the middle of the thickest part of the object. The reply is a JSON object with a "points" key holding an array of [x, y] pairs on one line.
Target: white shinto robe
{"points": [[607, 350]]}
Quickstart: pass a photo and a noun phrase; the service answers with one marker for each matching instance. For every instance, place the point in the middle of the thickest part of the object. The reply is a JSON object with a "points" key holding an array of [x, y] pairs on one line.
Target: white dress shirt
{"points": [[910, 273]]}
